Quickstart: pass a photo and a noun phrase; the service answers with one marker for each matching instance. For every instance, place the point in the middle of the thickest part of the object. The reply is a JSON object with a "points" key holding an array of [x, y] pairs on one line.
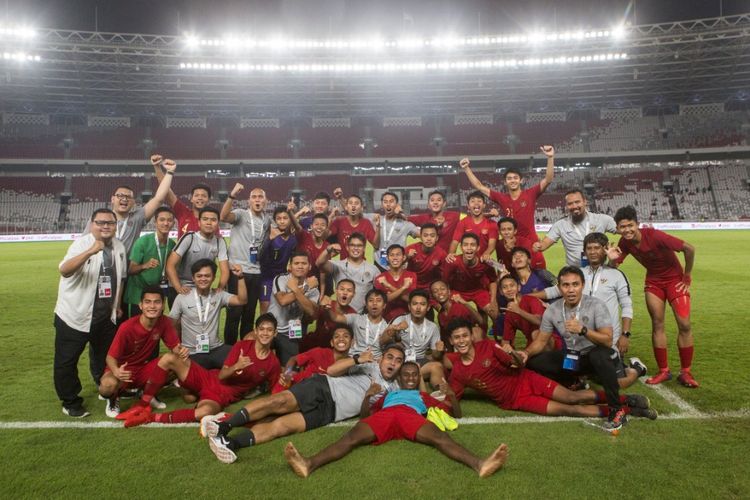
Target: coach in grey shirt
{"points": [[354, 267], [574, 228], [393, 228]]}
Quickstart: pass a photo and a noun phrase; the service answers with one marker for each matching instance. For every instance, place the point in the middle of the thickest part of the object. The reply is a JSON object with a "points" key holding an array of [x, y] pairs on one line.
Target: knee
{"points": [[107, 386], [167, 360]]}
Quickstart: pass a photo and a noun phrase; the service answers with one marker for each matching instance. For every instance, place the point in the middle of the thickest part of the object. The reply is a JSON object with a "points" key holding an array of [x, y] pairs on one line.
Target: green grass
{"points": [[662, 459]]}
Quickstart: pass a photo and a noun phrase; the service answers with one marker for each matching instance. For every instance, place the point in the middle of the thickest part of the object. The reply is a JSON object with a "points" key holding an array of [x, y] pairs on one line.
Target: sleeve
{"points": [[497, 197], [376, 282], [602, 318], [552, 292], [413, 277], [412, 229], [417, 220], [458, 232], [180, 209], [314, 294], [534, 306], [222, 250], [548, 325], [456, 385], [446, 270], [304, 358], [535, 191], [225, 297], [377, 405], [183, 244], [279, 284], [137, 252], [501, 356], [624, 249], [490, 273], [351, 320], [610, 225], [274, 373], [175, 312], [509, 331], [333, 229], [118, 343], [554, 231], [434, 336], [669, 241], [169, 335], [369, 231], [239, 216], [623, 296], [492, 231], [75, 248]]}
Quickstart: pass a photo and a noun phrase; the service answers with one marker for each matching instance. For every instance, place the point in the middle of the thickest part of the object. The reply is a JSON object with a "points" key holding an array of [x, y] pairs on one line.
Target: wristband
{"points": [[356, 359], [231, 197], [169, 172], [583, 331], [626, 334]]}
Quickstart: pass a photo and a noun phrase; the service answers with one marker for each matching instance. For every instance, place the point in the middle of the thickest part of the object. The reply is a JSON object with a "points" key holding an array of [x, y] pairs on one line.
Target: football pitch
{"points": [[694, 449]]}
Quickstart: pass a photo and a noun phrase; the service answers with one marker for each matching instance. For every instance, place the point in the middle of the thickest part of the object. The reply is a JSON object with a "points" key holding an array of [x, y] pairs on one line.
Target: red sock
{"points": [[156, 380], [175, 417], [660, 353], [686, 358], [601, 397]]}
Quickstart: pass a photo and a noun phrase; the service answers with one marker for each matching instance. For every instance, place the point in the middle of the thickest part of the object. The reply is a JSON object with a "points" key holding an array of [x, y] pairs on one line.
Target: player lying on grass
{"points": [[128, 359], [399, 415], [316, 360], [498, 372], [314, 402], [250, 363]]}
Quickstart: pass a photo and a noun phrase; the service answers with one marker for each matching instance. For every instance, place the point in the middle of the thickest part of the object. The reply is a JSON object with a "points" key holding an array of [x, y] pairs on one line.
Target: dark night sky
{"points": [[343, 18]]}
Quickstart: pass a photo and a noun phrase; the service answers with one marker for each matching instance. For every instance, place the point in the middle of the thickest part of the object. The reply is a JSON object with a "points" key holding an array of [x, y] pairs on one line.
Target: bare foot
{"points": [[494, 462], [297, 462]]}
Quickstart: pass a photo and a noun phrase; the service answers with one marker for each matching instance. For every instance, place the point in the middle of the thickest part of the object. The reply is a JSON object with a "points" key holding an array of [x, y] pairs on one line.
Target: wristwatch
{"points": [[356, 359], [626, 334], [583, 331]]}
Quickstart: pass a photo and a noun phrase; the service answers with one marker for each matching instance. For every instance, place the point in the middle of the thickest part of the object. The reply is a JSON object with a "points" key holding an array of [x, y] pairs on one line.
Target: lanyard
{"points": [[596, 279], [121, 229], [202, 314], [377, 332], [577, 311], [387, 238], [412, 329], [585, 224], [254, 238], [158, 254]]}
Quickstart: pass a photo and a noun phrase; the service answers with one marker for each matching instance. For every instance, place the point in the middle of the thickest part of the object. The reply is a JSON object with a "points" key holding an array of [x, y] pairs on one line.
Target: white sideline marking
{"points": [[672, 397], [532, 419]]}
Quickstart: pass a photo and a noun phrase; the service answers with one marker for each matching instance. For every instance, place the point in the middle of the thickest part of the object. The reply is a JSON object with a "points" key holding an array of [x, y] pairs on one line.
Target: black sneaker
{"points": [[617, 418], [637, 401], [648, 413], [638, 365], [75, 412], [129, 394]]}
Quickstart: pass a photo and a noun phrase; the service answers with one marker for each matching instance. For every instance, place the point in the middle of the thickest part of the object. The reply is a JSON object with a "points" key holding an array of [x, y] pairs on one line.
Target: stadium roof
{"points": [[82, 73]]}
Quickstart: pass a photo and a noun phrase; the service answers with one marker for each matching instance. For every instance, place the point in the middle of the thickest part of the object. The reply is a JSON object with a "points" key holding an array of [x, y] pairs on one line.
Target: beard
{"points": [[577, 218]]}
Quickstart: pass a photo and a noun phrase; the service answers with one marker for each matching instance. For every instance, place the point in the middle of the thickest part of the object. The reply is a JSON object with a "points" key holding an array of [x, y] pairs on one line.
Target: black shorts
{"points": [[315, 402]]}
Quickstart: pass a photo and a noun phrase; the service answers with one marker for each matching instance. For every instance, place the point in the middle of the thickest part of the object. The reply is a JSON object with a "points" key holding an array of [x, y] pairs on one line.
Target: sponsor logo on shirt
{"points": [[486, 363]]}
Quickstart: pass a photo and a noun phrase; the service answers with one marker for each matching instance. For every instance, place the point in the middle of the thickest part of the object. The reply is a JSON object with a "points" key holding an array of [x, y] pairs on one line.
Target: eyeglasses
{"points": [[121, 196], [102, 223]]}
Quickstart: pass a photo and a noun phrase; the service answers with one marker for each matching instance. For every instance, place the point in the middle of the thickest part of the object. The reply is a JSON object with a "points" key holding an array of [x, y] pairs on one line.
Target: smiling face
{"points": [[576, 205], [152, 305], [440, 292], [628, 229], [395, 258], [341, 340], [203, 279], [461, 340], [356, 248], [123, 201], [408, 377], [507, 231], [509, 288], [429, 237], [344, 293], [164, 222], [391, 363], [476, 206], [512, 181], [436, 203], [318, 227], [199, 198], [257, 200], [264, 333]]}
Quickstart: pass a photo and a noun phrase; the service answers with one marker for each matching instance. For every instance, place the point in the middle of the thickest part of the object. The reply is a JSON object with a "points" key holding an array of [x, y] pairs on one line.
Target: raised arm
{"points": [[69, 267], [226, 208], [473, 180], [549, 174], [156, 161], [165, 186]]}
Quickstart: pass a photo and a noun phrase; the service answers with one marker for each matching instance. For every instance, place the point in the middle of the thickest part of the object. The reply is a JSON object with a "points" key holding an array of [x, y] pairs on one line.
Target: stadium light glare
{"points": [[17, 32], [618, 32]]}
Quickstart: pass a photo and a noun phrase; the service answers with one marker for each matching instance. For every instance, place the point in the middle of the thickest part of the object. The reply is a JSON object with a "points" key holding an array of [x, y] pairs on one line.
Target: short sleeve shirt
{"points": [[655, 252], [341, 228], [590, 311], [247, 232], [361, 274], [486, 230], [419, 337], [146, 248], [193, 247], [366, 334], [293, 311], [446, 225], [521, 209], [396, 231], [185, 309], [572, 235]]}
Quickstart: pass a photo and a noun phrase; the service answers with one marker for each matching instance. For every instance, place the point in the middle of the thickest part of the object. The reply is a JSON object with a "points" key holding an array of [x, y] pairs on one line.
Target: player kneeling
{"points": [[250, 363], [399, 415]]}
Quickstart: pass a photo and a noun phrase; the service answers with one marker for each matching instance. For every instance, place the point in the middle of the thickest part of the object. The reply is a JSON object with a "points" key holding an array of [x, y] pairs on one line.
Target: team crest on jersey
{"points": [[368, 275], [155, 336], [523, 204], [435, 262], [484, 231], [603, 280], [262, 373], [584, 319], [486, 363]]}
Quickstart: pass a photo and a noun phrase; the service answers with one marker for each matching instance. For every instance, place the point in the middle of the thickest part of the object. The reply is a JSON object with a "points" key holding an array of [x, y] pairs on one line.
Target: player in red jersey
{"points": [[353, 222], [129, 357], [451, 307], [475, 222], [472, 279], [425, 258], [313, 243], [497, 371], [517, 203], [316, 360], [509, 239], [250, 363], [324, 325], [397, 283], [445, 221], [522, 312], [399, 415], [665, 282]]}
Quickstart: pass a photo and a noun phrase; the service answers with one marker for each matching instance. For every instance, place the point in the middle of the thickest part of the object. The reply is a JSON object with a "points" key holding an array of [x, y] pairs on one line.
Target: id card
{"points": [[201, 343], [295, 329], [164, 284], [410, 355], [105, 287], [571, 361], [253, 255], [584, 259], [383, 257]]}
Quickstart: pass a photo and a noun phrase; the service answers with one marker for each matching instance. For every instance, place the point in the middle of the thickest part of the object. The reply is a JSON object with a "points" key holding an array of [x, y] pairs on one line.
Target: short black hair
{"points": [[340, 326], [152, 289], [393, 247], [211, 210], [508, 219], [512, 170], [393, 345], [204, 187], [123, 186], [419, 293], [103, 211], [411, 363], [440, 280], [506, 277], [267, 318], [347, 280], [320, 216], [280, 209], [457, 323], [520, 249], [599, 238], [200, 264], [356, 236], [477, 194], [322, 195], [389, 193], [161, 210], [428, 225], [470, 235], [370, 293], [299, 253], [355, 196], [574, 191], [436, 191], [571, 270], [626, 213]]}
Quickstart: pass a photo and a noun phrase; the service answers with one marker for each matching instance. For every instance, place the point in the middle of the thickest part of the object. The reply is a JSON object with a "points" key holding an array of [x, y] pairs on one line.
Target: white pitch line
{"points": [[672, 397], [531, 419]]}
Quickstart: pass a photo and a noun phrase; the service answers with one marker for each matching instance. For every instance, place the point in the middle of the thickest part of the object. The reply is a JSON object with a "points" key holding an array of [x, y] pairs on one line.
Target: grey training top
{"points": [[590, 311], [247, 231], [186, 310], [348, 391], [366, 334], [572, 235], [128, 230], [394, 232], [418, 337], [284, 314], [362, 275], [193, 247], [609, 285]]}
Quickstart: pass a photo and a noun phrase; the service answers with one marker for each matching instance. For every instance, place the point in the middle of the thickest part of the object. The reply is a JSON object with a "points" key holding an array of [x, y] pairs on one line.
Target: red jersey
{"points": [[252, 376], [426, 265], [186, 219], [489, 373], [324, 328], [341, 228], [134, 345], [655, 252], [486, 230], [515, 322], [521, 209], [504, 255], [306, 243], [456, 310], [462, 278], [446, 227], [395, 308], [316, 360]]}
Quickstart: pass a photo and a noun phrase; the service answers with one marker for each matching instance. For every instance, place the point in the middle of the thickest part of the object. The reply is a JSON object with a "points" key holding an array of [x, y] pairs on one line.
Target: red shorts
{"points": [[667, 291], [533, 394], [395, 422], [206, 384], [480, 297], [139, 374]]}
